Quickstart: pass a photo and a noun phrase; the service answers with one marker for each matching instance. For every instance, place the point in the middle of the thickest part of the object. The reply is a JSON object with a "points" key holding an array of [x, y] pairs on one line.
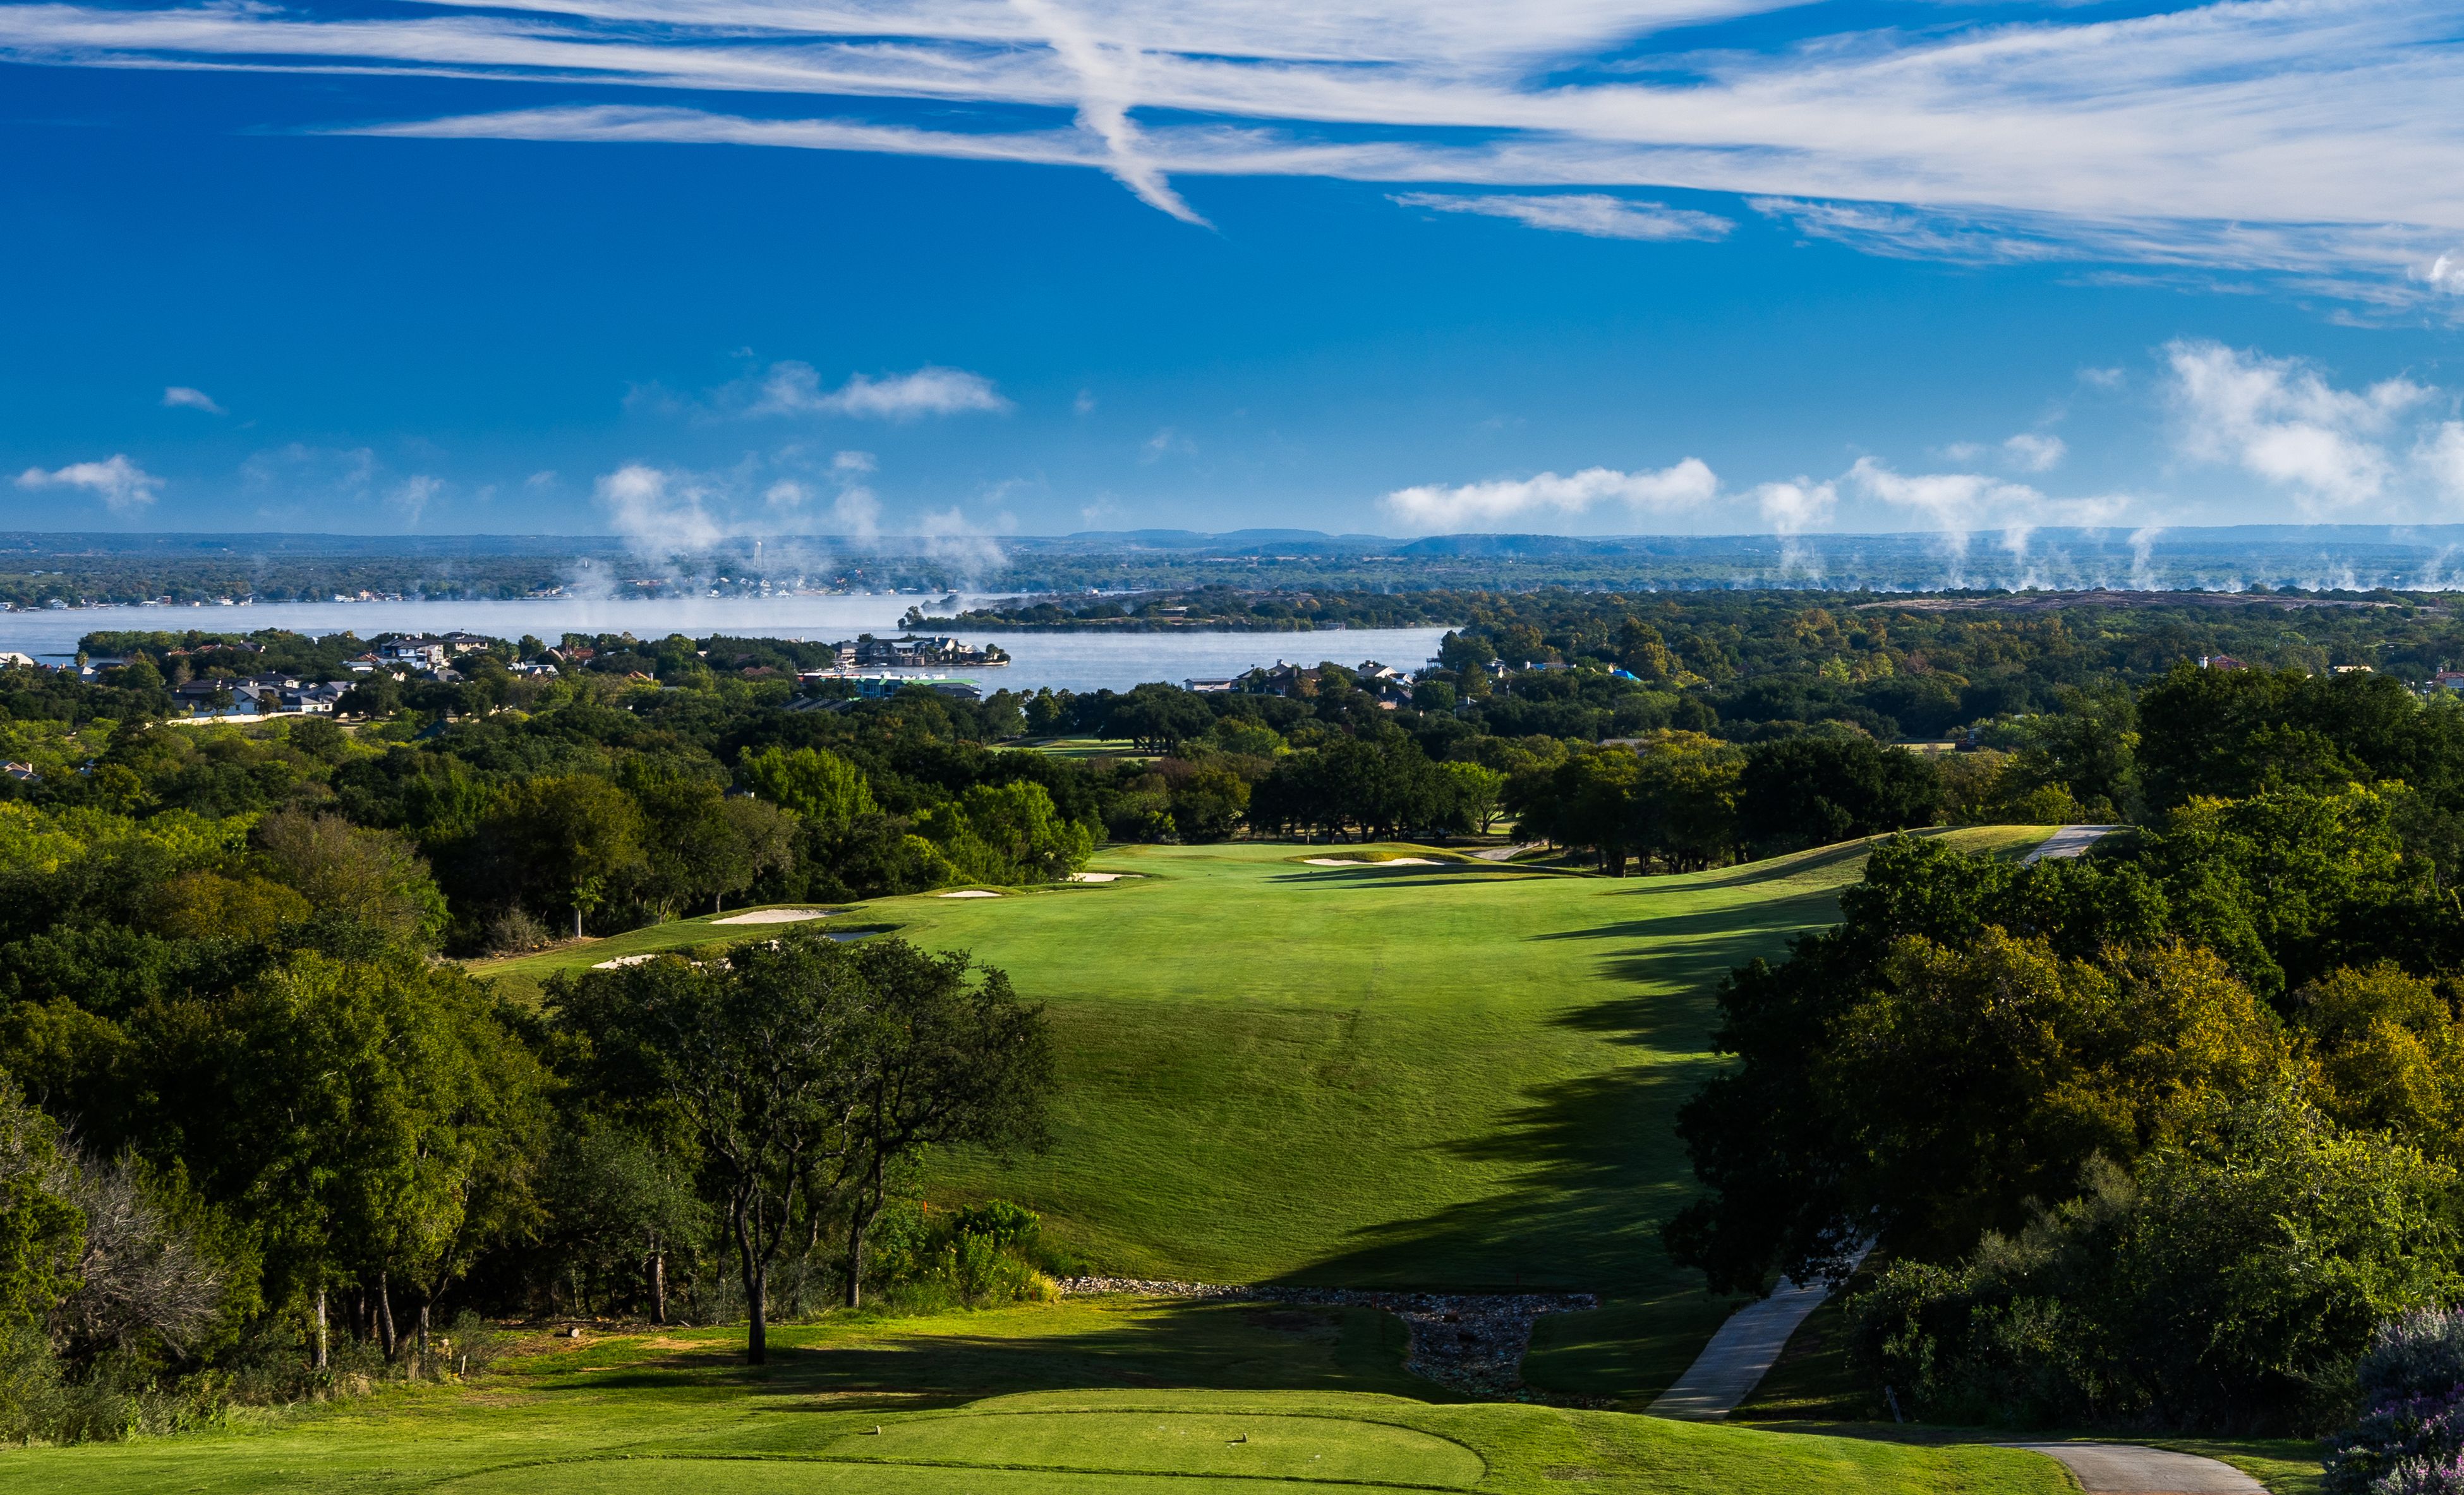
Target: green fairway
{"points": [[1452, 1076], [950, 1405]]}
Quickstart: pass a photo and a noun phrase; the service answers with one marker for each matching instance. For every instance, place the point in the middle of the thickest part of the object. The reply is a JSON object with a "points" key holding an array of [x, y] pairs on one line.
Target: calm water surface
{"points": [[1061, 661]]}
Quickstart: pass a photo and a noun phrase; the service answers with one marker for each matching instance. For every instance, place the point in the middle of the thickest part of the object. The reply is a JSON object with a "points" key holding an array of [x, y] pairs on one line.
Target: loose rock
{"points": [[1469, 1342]]}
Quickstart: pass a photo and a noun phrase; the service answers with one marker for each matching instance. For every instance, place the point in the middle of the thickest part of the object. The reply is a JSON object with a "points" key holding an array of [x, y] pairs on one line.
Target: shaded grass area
{"points": [[1461, 1076], [1291, 1401], [1811, 1388]]}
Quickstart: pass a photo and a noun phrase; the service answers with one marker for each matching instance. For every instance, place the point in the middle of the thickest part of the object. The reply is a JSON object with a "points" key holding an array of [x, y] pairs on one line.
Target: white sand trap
{"points": [[1353, 861], [1102, 877], [775, 916], [621, 960], [969, 892]]}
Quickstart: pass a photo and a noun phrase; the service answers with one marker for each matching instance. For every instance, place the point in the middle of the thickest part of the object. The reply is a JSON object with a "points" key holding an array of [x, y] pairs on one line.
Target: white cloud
{"points": [[659, 511], [1597, 215], [950, 537], [2280, 421], [1084, 404], [1439, 509], [2440, 456], [123, 486], [2035, 451], [180, 397], [793, 388], [853, 462], [2307, 137], [411, 496], [1793, 508], [857, 513]]}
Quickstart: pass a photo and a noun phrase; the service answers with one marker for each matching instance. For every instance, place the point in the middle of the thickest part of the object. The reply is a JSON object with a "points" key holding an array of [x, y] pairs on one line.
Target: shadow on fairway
{"points": [[852, 1366], [1595, 1163]]}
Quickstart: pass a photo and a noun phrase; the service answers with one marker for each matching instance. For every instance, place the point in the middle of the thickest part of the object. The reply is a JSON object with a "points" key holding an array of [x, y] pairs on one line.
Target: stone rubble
{"points": [[1468, 1342]]}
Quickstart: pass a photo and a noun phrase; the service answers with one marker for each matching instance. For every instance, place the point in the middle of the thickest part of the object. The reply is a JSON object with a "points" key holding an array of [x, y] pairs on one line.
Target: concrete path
{"points": [[1502, 853], [2069, 840], [2128, 1469], [1739, 1356]]}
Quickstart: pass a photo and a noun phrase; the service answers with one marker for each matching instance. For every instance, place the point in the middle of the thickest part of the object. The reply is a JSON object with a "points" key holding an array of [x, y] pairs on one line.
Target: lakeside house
{"points": [[262, 695]]}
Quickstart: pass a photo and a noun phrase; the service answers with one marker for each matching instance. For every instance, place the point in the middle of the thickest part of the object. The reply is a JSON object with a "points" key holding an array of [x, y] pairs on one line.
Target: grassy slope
{"points": [[965, 1404], [1446, 1077]]}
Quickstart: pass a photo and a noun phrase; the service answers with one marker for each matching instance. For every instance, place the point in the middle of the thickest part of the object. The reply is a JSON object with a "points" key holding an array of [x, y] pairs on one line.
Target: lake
{"points": [[1060, 661]]}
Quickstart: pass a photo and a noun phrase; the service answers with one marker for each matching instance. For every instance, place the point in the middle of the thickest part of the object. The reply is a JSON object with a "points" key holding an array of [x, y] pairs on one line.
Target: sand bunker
{"points": [[775, 916], [1102, 877], [1353, 861], [620, 960], [970, 892]]}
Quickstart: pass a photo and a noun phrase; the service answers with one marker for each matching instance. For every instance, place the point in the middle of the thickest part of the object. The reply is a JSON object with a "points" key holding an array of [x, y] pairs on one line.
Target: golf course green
{"points": [[1408, 1069], [1086, 1397], [1439, 1074]]}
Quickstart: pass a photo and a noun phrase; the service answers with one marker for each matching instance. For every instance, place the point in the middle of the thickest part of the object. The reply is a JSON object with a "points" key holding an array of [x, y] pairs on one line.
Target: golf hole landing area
{"points": [[1083, 1453]]}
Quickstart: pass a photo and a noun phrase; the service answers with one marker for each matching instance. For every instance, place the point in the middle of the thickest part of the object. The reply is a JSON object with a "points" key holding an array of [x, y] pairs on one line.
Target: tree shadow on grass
{"points": [[837, 1367], [1592, 1163]]}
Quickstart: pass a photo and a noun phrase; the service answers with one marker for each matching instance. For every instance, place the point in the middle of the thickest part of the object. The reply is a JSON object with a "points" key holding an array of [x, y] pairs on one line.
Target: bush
{"points": [[2231, 1286], [974, 1258], [2410, 1438]]}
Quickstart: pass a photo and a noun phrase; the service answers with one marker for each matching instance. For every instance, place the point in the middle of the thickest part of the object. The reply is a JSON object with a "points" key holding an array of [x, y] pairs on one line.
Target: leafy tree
{"points": [[565, 839], [807, 1071], [1816, 790], [827, 790], [372, 878], [1159, 719], [951, 1057], [2227, 1285], [1477, 792]]}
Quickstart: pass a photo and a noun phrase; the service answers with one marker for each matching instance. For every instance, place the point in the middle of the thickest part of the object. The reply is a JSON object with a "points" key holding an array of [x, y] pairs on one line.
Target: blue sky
{"points": [[685, 269]]}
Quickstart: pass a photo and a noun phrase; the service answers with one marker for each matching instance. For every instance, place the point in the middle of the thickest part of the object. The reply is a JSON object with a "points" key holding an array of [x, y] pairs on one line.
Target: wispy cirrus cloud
{"points": [[179, 397], [2312, 139], [1595, 214], [123, 486]]}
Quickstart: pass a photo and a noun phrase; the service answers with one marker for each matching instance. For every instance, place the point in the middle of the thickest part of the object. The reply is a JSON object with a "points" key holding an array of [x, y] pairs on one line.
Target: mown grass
{"points": [[1109, 1397], [1461, 1076]]}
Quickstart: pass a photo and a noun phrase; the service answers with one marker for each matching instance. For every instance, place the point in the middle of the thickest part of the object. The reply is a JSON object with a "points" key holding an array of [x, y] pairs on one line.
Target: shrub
{"points": [[2230, 1285], [2410, 1438], [979, 1256]]}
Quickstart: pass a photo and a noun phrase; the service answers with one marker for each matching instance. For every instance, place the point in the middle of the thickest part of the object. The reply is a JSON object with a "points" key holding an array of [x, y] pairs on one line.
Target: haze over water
{"points": [[1060, 661]]}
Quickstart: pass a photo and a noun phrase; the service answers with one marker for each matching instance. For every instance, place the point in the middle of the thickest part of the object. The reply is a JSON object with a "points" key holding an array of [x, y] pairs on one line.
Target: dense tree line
{"points": [[2157, 1135]]}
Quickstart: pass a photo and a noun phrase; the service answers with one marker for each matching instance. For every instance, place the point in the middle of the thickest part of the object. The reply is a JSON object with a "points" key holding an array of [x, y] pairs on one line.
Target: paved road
{"points": [[2128, 1469], [2069, 840]]}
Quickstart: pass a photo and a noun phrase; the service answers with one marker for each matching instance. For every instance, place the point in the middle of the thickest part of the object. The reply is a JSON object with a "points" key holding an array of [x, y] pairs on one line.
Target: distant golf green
{"points": [[1304, 1401], [1449, 1076]]}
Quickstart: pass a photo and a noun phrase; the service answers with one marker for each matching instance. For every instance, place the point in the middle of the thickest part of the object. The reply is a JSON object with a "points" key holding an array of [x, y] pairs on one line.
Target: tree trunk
{"points": [[757, 1330], [577, 921], [322, 1357], [423, 1329], [384, 1319], [658, 1285], [856, 1259], [718, 902]]}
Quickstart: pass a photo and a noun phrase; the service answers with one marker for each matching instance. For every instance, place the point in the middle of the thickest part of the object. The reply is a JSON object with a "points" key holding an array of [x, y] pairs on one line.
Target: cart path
{"points": [[2069, 840], [1739, 1356], [2129, 1469]]}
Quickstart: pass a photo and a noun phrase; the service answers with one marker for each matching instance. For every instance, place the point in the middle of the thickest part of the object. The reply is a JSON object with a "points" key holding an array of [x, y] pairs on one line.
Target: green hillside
{"points": [[1085, 1399], [1449, 1076]]}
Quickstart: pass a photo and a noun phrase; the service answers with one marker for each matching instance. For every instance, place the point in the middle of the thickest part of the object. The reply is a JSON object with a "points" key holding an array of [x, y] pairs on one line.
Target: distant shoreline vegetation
{"points": [[43, 569]]}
